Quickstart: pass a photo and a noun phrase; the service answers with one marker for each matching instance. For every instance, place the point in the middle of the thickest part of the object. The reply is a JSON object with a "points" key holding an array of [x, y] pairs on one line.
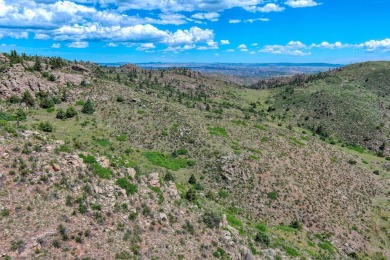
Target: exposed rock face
{"points": [[103, 161], [79, 68], [234, 167], [154, 180]]}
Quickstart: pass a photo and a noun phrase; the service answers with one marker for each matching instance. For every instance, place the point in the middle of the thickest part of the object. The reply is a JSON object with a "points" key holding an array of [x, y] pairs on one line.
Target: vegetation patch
{"points": [[217, 131], [168, 161], [96, 167], [126, 185]]}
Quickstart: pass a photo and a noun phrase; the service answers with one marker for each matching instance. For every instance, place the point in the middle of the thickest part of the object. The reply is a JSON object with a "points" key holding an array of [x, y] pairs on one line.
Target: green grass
{"points": [[296, 141], [217, 131], [290, 251], [233, 221], [102, 142], [286, 229], [126, 185], [356, 148], [327, 246], [96, 167], [239, 122], [121, 138], [261, 127], [168, 161]]}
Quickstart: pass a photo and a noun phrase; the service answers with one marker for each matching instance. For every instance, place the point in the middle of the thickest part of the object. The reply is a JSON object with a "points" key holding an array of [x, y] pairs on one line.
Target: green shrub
{"points": [[191, 194], [61, 114], [169, 176], [212, 219], [120, 99], [223, 193], [46, 127], [46, 102], [121, 138], [28, 99], [262, 238], [296, 225], [71, 112], [88, 107], [14, 99], [129, 187], [290, 251], [192, 179], [273, 195]]}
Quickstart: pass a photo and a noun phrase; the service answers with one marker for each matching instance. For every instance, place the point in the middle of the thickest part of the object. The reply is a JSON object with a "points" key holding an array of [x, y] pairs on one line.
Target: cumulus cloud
{"points": [[373, 45], [111, 44], [41, 36], [56, 46], [301, 3], [270, 7], [146, 46], [327, 45], [206, 16], [78, 45], [234, 21], [191, 36], [293, 48], [242, 47], [225, 42]]}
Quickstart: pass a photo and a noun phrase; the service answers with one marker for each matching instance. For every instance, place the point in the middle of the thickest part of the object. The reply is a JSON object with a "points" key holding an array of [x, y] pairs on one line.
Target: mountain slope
{"points": [[174, 164]]}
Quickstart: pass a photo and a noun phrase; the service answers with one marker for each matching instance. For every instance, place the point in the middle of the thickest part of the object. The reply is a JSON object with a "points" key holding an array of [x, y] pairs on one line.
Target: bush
{"points": [[61, 114], [262, 238], [212, 219], [14, 99], [71, 112], [46, 103], [191, 194], [169, 177], [28, 99], [192, 179], [88, 107], [120, 99], [46, 127], [296, 224], [273, 195]]}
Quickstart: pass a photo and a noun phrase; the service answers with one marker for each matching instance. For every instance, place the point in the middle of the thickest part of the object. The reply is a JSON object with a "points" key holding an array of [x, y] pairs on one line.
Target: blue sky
{"points": [[198, 30]]}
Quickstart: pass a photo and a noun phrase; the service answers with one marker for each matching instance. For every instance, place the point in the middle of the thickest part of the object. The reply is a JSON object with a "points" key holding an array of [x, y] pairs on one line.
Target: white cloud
{"points": [[191, 36], [111, 44], [206, 16], [225, 42], [146, 46], [78, 45], [252, 52], [242, 46], [230, 50], [293, 48], [270, 7], [234, 21], [56, 46], [374, 45], [41, 36], [327, 45], [255, 44], [301, 3], [211, 45]]}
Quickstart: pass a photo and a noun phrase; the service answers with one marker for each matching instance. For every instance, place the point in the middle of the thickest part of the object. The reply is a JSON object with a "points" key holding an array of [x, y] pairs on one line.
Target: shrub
{"points": [[120, 99], [88, 107], [169, 176], [46, 127], [212, 219], [296, 224], [192, 179], [61, 114], [223, 193], [14, 99], [129, 187], [46, 103], [273, 195], [167, 161], [262, 238], [28, 99], [71, 112], [191, 194]]}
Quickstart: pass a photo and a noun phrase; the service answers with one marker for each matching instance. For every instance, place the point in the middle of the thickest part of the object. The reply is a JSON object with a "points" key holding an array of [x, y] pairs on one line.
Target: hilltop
{"points": [[125, 162]]}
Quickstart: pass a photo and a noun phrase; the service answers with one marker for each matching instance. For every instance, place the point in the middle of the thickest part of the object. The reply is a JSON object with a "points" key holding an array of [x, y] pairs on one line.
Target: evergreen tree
{"points": [[88, 107], [192, 179]]}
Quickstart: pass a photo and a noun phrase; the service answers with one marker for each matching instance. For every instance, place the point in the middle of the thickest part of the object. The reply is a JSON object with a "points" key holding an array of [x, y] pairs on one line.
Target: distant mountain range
{"points": [[242, 70]]}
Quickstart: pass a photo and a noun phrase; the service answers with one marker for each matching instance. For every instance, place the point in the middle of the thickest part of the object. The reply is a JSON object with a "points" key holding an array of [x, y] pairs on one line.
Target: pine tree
{"points": [[88, 107], [192, 179]]}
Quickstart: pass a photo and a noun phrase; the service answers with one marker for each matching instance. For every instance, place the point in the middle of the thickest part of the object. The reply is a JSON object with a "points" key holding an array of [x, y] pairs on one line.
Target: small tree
{"points": [[212, 219], [262, 238], [191, 194], [169, 176], [192, 179], [46, 102], [88, 107], [38, 65]]}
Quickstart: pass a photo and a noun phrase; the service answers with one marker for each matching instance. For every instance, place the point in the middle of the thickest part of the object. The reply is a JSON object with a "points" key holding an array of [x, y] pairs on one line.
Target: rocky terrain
{"points": [[128, 163]]}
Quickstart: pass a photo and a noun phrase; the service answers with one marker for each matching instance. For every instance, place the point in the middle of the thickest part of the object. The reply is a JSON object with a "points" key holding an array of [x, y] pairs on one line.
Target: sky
{"points": [[236, 31]]}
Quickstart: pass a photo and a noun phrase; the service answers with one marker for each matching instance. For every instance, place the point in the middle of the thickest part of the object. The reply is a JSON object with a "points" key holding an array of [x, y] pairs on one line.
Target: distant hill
{"points": [[350, 105]]}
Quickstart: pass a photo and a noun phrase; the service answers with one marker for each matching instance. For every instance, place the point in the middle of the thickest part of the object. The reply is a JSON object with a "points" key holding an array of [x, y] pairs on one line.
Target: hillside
{"points": [[349, 106], [126, 163]]}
